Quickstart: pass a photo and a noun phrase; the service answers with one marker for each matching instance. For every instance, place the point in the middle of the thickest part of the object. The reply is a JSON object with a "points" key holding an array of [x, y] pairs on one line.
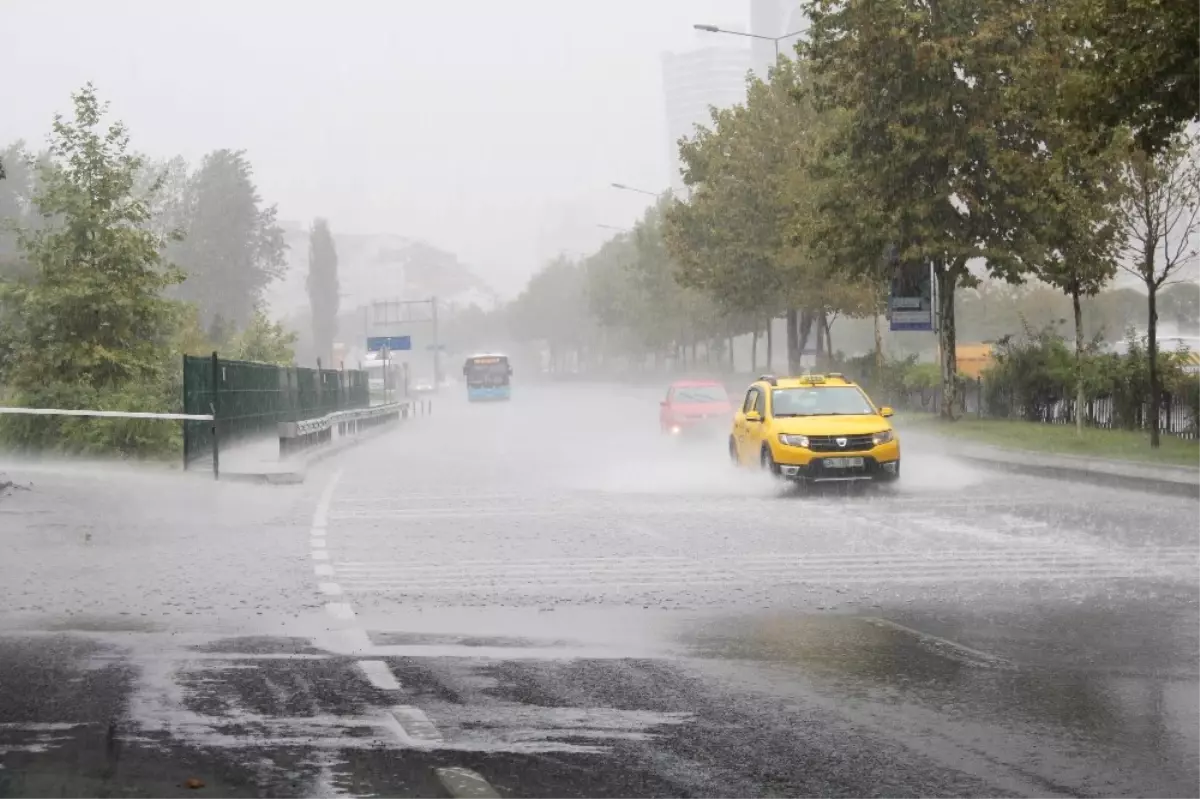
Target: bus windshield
{"points": [[486, 371]]}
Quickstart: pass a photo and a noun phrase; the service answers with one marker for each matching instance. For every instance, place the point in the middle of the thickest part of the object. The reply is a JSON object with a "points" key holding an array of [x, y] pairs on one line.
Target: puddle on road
{"points": [[1085, 724]]}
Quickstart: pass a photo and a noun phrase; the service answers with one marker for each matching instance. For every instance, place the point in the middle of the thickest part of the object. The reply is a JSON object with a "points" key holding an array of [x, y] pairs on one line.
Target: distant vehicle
{"points": [[423, 385], [814, 428], [694, 407], [488, 377]]}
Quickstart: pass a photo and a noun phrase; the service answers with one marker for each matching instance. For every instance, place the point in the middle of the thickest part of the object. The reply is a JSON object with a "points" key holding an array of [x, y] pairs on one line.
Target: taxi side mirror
{"points": [[885, 412], [752, 416]]}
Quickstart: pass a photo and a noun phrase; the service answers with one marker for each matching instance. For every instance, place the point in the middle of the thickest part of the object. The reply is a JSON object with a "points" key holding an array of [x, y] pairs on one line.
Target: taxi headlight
{"points": [[793, 440], [882, 437]]}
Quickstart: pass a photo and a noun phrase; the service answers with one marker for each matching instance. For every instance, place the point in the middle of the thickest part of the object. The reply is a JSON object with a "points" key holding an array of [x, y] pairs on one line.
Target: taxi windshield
{"points": [[820, 401]]}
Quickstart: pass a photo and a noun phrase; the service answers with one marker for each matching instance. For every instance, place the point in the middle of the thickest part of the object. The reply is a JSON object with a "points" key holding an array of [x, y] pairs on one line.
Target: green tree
{"points": [[17, 209], [1135, 63], [1180, 304], [232, 246], [1160, 223], [1074, 186], [92, 320], [263, 341], [925, 88], [553, 309], [323, 288]]}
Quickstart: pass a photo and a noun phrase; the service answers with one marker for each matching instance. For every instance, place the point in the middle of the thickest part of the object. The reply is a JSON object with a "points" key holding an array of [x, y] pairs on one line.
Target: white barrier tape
{"points": [[196, 417]]}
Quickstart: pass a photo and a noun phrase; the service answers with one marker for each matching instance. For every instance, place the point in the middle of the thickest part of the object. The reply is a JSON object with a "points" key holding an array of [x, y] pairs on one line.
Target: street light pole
{"points": [[774, 39], [623, 187]]}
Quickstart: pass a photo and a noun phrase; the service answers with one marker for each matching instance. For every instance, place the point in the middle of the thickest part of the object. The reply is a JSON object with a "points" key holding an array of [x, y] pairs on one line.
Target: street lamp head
{"points": [[619, 186], [707, 28]]}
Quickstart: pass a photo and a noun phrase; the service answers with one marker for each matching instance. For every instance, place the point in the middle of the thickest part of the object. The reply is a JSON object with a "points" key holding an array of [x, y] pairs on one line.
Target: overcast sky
{"points": [[473, 124]]}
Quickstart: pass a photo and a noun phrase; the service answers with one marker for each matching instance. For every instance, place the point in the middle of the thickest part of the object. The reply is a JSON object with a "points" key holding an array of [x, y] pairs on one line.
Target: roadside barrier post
{"points": [[216, 383]]}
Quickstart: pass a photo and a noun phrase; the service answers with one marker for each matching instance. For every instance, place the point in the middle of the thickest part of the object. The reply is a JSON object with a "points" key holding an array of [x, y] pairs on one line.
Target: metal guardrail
{"points": [[306, 433]]}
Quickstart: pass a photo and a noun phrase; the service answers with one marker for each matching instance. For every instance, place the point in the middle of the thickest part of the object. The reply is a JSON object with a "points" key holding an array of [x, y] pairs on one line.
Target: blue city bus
{"points": [[487, 377]]}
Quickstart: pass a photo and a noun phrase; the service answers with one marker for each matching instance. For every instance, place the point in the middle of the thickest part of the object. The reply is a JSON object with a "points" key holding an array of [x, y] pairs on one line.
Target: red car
{"points": [[694, 406]]}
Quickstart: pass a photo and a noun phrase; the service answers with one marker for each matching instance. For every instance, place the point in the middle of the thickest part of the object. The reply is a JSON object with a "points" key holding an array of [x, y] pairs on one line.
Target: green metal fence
{"points": [[251, 398]]}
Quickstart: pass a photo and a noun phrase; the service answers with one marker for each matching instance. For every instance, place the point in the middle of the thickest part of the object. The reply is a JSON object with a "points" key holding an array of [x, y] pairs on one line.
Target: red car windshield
{"points": [[689, 395]]}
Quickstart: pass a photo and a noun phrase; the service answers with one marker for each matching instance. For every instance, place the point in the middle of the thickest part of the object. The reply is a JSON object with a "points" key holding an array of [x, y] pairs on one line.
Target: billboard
{"points": [[910, 302]]}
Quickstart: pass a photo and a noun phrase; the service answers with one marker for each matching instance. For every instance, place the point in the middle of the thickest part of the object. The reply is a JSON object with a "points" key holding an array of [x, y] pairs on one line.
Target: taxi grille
{"points": [[858, 443]]}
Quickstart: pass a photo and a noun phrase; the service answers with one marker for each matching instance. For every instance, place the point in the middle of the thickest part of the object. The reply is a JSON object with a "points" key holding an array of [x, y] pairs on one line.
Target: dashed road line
{"points": [[379, 675], [462, 783], [418, 729], [976, 656], [409, 724], [340, 610]]}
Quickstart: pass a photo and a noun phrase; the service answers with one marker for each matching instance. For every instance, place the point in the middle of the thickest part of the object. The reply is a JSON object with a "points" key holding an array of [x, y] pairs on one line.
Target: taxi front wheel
{"points": [[767, 461]]}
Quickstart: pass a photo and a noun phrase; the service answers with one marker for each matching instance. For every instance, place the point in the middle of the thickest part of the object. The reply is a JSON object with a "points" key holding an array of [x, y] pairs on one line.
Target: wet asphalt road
{"points": [[549, 594]]}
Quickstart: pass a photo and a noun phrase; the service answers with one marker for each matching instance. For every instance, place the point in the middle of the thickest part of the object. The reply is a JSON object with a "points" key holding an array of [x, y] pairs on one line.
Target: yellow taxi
{"points": [[814, 428]]}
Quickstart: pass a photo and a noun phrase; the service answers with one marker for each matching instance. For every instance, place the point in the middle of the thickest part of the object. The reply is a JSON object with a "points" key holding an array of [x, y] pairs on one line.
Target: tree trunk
{"points": [[1080, 409], [878, 348], [829, 338], [819, 358], [946, 277], [1152, 353], [753, 351], [793, 346], [770, 342], [806, 324]]}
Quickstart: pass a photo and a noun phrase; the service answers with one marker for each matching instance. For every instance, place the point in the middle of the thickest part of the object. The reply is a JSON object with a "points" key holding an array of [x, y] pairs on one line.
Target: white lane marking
{"points": [[320, 554], [331, 589], [318, 543], [321, 515], [379, 675], [340, 610], [416, 725], [323, 570], [462, 783], [946, 643]]}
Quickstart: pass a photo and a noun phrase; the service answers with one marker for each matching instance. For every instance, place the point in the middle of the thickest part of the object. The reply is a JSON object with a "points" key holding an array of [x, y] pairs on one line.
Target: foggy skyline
{"points": [[474, 126]]}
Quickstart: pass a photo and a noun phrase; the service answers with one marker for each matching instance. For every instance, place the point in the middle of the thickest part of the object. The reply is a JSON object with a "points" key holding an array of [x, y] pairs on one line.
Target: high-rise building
{"points": [[774, 18], [711, 75]]}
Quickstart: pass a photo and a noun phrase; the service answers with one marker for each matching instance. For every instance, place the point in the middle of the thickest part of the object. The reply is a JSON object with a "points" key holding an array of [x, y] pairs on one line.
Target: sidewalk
{"points": [[1129, 474]]}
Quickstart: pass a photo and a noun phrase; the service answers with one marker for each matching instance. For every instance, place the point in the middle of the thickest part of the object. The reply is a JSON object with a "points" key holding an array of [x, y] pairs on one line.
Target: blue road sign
{"points": [[910, 304], [393, 343]]}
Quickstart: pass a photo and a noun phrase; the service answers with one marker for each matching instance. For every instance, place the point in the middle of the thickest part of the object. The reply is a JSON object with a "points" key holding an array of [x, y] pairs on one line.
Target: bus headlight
{"points": [[793, 440]]}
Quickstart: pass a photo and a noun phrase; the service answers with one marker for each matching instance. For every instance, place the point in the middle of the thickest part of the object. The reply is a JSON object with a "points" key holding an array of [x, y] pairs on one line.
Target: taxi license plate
{"points": [[843, 463]]}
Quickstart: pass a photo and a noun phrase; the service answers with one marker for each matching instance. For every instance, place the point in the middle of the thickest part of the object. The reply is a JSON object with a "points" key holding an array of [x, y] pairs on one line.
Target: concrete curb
{"points": [[299, 466], [1178, 480]]}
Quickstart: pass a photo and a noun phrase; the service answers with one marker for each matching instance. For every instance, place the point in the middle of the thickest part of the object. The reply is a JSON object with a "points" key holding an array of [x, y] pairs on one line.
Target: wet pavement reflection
{"points": [[548, 593]]}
